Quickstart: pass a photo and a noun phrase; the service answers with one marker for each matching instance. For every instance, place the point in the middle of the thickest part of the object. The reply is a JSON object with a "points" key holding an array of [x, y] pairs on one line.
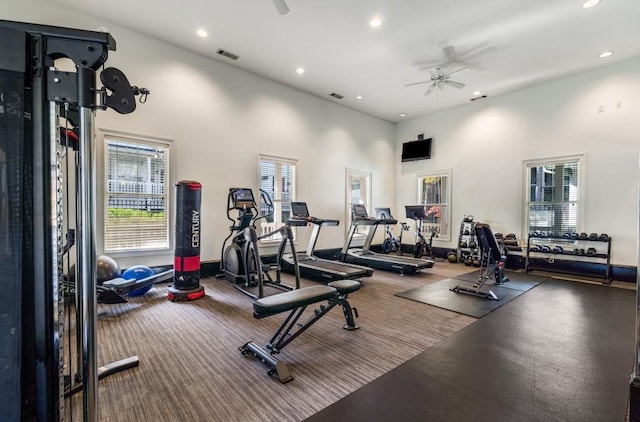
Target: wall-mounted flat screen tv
{"points": [[419, 149]]}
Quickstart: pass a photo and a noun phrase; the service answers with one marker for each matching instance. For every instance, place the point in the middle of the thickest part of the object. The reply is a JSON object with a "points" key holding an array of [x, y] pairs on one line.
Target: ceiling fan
{"points": [[439, 78], [281, 6]]}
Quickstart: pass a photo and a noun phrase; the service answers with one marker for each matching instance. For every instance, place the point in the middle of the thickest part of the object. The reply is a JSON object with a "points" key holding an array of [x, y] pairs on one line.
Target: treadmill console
{"points": [[299, 214], [299, 210], [359, 211], [416, 212], [383, 213], [242, 198]]}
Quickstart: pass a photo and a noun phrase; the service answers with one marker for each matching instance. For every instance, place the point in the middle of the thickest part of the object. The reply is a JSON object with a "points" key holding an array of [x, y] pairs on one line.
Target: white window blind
{"points": [[277, 179], [434, 190], [553, 196], [135, 201]]}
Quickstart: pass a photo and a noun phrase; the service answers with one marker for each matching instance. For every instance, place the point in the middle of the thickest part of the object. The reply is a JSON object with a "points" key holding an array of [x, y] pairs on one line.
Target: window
{"points": [[358, 188], [136, 192], [553, 195], [434, 191], [277, 179]]}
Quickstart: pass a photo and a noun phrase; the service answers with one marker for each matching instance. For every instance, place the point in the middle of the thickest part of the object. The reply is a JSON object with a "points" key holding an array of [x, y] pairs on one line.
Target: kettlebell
{"points": [[452, 257]]}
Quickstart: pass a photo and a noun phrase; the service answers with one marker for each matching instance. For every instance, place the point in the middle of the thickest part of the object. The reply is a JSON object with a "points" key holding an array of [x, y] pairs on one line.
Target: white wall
{"points": [[220, 118], [486, 142]]}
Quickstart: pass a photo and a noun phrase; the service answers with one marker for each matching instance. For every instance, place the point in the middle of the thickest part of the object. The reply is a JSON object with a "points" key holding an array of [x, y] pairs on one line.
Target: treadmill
{"points": [[311, 266], [363, 256]]}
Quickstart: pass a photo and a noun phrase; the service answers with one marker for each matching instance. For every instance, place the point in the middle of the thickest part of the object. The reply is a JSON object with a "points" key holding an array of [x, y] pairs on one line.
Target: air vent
{"points": [[335, 95], [482, 97], [228, 54]]}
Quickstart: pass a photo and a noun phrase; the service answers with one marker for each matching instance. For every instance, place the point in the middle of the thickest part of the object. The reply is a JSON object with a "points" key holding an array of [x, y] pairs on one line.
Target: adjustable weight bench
{"points": [[492, 263], [296, 301]]}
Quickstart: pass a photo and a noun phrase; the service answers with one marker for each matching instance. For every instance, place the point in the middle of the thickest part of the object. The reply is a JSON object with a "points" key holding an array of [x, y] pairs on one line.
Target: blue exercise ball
{"points": [[139, 272]]}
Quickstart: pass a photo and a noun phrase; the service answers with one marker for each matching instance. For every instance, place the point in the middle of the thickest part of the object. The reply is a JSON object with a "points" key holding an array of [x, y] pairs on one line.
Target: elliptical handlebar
{"points": [[268, 202]]}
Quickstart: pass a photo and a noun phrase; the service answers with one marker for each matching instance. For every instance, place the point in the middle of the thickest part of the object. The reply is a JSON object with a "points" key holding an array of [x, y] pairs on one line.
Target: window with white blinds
{"points": [[136, 209], [553, 195], [434, 190], [277, 179]]}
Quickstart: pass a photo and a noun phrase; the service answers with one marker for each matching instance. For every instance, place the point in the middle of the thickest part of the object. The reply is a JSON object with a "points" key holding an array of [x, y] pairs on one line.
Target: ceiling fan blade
{"points": [[282, 7], [455, 84], [449, 53], [459, 70], [433, 71], [417, 83], [430, 89]]}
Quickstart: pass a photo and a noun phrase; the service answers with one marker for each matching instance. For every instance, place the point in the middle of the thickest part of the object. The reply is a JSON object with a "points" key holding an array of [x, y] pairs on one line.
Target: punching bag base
{"points": [[177, 295]]}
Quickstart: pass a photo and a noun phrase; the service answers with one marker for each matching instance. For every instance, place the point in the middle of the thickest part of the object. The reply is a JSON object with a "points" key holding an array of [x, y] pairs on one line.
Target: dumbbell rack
{"points": [[467, 234], [567, 249]]}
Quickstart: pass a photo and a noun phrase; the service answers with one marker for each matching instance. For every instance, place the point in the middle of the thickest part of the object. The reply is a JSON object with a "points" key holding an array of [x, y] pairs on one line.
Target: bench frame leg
{"points": [[284, 336]]}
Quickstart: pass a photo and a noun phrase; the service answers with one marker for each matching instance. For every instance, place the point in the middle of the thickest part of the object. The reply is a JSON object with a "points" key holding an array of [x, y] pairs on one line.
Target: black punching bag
{"points": [[186, 263]]}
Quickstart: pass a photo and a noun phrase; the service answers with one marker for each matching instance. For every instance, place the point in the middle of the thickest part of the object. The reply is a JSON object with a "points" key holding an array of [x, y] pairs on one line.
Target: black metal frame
{"points": [[284, 335], [244, 242], [28, 52], [491, 264]]}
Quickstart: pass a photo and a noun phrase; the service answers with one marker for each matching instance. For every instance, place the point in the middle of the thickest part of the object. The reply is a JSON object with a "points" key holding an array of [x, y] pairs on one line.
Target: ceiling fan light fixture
{"points": [[375, 22], [590, 3]]}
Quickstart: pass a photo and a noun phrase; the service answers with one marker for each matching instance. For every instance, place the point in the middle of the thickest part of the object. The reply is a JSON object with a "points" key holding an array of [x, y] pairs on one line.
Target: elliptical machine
{"points": [[241, 263]]}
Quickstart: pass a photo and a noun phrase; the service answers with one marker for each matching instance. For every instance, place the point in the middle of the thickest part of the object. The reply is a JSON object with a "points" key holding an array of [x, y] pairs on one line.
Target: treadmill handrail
{"points": [[300, 221]]}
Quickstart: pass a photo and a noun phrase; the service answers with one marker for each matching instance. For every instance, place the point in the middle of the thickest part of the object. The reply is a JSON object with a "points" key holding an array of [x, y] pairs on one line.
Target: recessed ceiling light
{"points": [[606, 54], [590, 3], [476, 92], [359, 97], [300, 71], [202, 33], [375, 22], [403, 114]]}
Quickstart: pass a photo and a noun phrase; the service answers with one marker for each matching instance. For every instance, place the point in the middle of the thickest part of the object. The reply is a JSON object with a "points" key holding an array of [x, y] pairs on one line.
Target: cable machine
{"points": [[41, 110]]}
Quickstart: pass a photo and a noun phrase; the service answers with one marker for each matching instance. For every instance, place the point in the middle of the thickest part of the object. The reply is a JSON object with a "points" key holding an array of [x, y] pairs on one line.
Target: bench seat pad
{"points": [[345, 286], [293, 299]]}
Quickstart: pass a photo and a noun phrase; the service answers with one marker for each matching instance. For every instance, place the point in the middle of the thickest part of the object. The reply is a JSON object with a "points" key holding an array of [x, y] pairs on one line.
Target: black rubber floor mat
{"points": [[439, 294], [564, 351], [520, 280]]}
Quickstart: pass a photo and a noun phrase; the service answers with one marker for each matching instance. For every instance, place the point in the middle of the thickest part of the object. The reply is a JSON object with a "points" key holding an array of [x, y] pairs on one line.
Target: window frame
{"points": [[278, 203], [350, 175], [580, 159], [103, 191], [446, 218]]}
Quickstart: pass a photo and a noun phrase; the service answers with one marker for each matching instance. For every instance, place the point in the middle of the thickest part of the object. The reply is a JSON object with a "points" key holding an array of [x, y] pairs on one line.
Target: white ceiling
{"points": [[508, 44]]}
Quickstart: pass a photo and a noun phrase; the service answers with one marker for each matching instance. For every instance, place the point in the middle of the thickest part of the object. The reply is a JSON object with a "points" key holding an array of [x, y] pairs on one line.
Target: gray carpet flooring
{"points": [[191, 370]]}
